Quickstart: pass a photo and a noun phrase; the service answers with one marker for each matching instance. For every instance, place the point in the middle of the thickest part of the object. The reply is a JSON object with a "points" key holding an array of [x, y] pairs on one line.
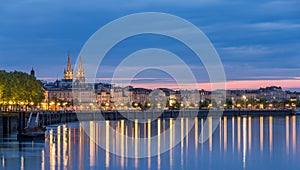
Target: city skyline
{"points": [[233, 84]]}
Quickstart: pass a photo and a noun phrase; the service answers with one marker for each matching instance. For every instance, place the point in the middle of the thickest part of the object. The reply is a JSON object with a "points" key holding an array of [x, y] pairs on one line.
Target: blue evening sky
{"points": [[256, 40]]}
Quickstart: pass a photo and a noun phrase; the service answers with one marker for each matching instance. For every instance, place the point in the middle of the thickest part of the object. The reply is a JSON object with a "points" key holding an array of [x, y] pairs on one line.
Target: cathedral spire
{"points": [[68, 74], [69, 68], [80, 73], [80, 65]]}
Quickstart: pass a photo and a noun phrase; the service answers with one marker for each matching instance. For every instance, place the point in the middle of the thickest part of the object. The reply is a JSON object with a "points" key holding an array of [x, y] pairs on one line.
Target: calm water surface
{"points": [[237, 143]]}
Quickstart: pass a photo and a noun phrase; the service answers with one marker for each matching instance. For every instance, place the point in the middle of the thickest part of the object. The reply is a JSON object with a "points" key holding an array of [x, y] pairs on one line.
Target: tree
{"points": [[229, 103], [19, 87]]}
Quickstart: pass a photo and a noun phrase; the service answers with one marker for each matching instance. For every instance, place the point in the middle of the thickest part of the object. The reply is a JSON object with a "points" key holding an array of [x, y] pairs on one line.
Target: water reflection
{"points": [[225, 133], [271, 133], [244, 141], [287, 132], [249, 133], [68, 146], [233, 132], [261, 133], [294, 134]]}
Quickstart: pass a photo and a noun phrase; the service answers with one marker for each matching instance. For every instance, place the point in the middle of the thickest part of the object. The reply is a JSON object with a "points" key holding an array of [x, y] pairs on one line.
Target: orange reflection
{"points": [[136, 143], [3, 161], [126, 144], [81, 146], [294, 134], [22, 162], [187, 133], [171, 142], [122, 142], [107, 142], [181, 137], [202, 135], [233, 127], [244, 141], [225, 133], [261, 132], [65, 146], [271, 133], [158, 142], [287, 134], [196, 134], [70, 146], [43, 159], [52, 150], [149, 143], [92, 144], [220, 132], [210, 132], [164, 128], [239, 132], [58, 146], [249, 133]]}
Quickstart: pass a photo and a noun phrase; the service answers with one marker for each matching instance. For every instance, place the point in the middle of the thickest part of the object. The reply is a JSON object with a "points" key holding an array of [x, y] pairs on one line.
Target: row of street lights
{"points": [[15, 106]]}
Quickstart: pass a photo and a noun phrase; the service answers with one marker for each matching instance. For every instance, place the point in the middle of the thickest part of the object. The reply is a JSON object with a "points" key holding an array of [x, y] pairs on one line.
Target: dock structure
{"points": [[31, 126]]}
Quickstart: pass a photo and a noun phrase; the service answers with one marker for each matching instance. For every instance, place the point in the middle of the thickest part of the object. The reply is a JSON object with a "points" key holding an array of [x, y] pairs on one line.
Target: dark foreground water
{"points": [[237, 143]]}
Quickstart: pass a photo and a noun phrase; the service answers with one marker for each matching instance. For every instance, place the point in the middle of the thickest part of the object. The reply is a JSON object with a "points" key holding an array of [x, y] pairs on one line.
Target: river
{"points": [[236, 143]]}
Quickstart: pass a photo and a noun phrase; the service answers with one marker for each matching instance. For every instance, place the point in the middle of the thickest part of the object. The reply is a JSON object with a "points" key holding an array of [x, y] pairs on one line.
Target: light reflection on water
{"points": [[238, 142]]}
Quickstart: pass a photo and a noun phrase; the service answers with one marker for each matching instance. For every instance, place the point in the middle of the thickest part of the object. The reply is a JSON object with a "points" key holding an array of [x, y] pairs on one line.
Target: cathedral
{"points": [[68, 73], [61, 90]]}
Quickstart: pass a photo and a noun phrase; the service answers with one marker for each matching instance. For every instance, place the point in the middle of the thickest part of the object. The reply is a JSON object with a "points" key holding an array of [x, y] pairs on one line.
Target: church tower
{"points": [[68, 74], [80, 73], [32, 72]]}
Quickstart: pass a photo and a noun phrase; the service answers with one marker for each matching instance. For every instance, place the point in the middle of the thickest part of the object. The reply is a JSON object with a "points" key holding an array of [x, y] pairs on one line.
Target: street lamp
{"points": [[250, 106], [106, 106], [22, 103], [10, 104], [31, 104], [270, 106], [261, 106]]}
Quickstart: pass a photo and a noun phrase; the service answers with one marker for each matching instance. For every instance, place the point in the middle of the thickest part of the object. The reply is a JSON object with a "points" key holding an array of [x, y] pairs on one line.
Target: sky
{"points": [[258, 42]]}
